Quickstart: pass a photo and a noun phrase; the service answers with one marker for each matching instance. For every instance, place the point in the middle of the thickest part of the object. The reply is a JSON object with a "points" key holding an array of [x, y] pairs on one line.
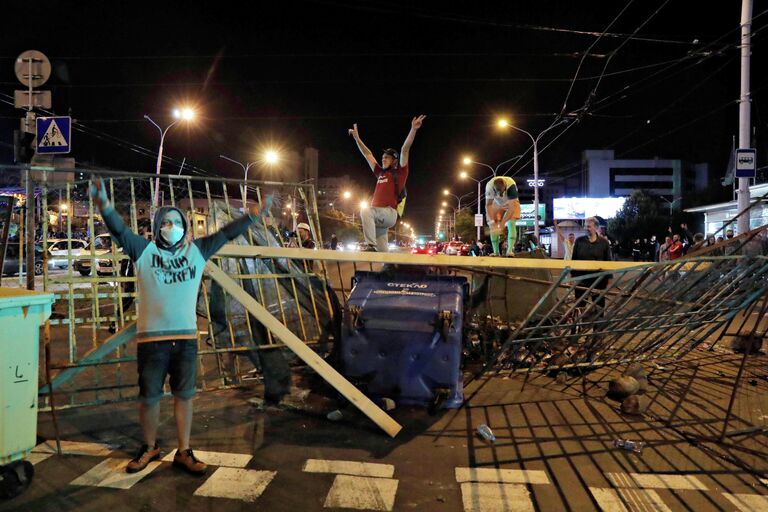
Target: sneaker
{"points": [[187, 461], [143, 458]]}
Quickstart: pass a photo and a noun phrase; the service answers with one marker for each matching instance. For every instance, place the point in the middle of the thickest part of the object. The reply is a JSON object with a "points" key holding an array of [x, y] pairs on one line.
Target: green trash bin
{"points": [[21, 314]]}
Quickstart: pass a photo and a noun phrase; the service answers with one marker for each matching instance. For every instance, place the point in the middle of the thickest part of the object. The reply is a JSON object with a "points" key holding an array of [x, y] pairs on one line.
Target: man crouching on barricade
{"points": [[168, 271]]}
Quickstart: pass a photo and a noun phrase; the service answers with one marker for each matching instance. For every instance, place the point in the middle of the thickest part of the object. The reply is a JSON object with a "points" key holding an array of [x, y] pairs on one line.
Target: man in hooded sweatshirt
{"points": [[168, 272]]}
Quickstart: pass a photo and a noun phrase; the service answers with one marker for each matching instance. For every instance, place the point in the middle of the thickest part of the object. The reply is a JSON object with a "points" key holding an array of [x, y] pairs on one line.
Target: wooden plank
{"points": [[122, 337], [307, 355], [246, 251]]}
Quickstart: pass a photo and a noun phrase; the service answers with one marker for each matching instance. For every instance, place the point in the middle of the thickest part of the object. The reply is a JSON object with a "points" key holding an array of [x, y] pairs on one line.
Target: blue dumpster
{"points": [[402, 337]]}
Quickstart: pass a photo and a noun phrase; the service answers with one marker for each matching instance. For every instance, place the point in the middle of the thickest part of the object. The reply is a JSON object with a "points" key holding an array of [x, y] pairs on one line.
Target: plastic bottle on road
{"points": [[626, 444], [486, 433]]}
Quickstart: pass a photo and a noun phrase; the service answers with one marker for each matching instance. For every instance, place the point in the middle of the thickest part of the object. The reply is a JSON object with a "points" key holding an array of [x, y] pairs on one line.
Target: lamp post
{"points": [[183, 114], [503, 123], [494, 171], [447, 192], [270, 157]]}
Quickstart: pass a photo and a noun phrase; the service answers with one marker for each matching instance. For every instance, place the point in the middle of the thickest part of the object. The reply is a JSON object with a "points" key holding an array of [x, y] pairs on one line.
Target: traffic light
{"points": [[23, 147]]}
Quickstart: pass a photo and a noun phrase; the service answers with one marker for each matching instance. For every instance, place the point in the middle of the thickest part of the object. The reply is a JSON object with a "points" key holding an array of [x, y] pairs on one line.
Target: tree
{"points": [[465, 225], [641, 217]]}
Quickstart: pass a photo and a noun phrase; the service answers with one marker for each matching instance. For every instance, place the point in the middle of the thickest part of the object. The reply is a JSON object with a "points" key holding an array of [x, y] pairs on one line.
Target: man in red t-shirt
{"points": [[675, 250], [382, 213]]}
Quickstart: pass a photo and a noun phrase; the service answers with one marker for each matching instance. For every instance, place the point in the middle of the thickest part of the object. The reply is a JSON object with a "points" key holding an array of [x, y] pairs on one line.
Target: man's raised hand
{"points": [[99, 194], [353, 131], [416, 121]]}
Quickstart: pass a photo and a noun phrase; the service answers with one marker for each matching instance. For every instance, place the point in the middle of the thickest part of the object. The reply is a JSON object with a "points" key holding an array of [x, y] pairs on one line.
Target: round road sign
{"points": [[41, 68]]}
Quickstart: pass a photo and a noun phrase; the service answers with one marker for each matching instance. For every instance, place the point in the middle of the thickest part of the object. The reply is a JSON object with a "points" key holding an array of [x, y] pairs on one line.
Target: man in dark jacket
{"points": [[591, 247]]}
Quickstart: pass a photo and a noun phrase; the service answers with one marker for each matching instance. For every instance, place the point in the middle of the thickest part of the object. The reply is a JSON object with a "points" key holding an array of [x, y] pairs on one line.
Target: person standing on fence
{"points": [[591, 247], [168, 270], [502, 207], [391, 176]]}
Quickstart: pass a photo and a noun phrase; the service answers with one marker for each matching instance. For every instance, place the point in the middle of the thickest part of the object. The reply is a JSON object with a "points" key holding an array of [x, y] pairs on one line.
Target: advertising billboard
{"points": [[584, 207], [526, 214]]}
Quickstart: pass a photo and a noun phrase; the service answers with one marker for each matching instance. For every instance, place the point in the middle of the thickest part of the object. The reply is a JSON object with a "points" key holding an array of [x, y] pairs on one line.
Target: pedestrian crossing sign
{"points": [[54, 134]]}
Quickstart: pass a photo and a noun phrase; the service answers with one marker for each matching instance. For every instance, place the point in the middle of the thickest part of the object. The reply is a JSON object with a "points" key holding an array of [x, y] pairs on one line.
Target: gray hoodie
{"points": [[169, 276]]}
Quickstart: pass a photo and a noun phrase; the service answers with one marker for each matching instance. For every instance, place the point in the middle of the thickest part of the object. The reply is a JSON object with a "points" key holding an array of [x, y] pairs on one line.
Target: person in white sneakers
{"points": [[391, 176]]}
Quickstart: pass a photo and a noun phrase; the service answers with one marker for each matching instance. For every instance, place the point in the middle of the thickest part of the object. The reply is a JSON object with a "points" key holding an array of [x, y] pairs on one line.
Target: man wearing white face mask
{"points": [[168, 272]]}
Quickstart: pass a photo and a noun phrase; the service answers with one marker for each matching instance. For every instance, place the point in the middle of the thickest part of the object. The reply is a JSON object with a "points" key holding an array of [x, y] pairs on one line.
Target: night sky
{"points": [[298, 74]]}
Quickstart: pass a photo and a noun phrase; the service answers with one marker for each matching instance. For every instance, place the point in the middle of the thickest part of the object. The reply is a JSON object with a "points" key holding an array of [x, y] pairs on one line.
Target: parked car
{"points": [[57, 251], [102, 245], [464, 250], [11, 262]]}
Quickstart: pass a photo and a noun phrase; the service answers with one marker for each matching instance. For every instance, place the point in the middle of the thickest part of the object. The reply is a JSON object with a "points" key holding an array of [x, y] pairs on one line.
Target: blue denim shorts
{"points": [[156, 359]]}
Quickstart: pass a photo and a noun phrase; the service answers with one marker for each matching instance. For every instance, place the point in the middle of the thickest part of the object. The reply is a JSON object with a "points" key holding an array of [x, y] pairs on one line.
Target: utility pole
{"points": [[744, 109]]}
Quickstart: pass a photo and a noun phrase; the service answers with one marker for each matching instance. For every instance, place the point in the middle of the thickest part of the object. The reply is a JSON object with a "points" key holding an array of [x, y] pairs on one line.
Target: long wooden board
{"points": [[307, 355], [253, 251]]}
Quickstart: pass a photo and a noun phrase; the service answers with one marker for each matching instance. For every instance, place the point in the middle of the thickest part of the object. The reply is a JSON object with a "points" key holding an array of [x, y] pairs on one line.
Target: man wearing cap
{"points": [[391, 176], [502, 207]]}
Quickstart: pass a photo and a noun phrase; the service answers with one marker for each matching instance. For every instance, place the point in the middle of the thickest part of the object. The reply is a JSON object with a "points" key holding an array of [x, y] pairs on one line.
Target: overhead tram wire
{"points": [[564, 108], [100, 135], [570, 89], [710, 50], [456, 19], [585, 108]]}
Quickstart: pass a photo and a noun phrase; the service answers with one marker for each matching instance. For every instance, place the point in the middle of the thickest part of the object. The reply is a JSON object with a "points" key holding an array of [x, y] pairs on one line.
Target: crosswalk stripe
{"points": [[235, 483], [748, 502], [508, 476], [111, 473], [495, 497], [75, 448], [230, 460], [656, 481], [626, 500], [362, 493], [348, 467]]}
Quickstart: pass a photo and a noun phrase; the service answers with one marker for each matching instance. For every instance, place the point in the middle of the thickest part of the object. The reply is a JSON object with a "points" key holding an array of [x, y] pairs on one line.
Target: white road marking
{"points": [[234, 483], [628, 500], [507, 476], [748, 502], [495, 497], [361, 493], [230, 460], [111, 473], [656, 481], [75, 448], [37, 458], [348, 467]]}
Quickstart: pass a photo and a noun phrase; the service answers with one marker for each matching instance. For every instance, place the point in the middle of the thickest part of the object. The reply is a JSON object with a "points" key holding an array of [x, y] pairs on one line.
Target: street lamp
{"points": [[179, 114], [503, 123], [447, 192], [347, 194], [270, 156], [464, 175], [363, 204]]}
